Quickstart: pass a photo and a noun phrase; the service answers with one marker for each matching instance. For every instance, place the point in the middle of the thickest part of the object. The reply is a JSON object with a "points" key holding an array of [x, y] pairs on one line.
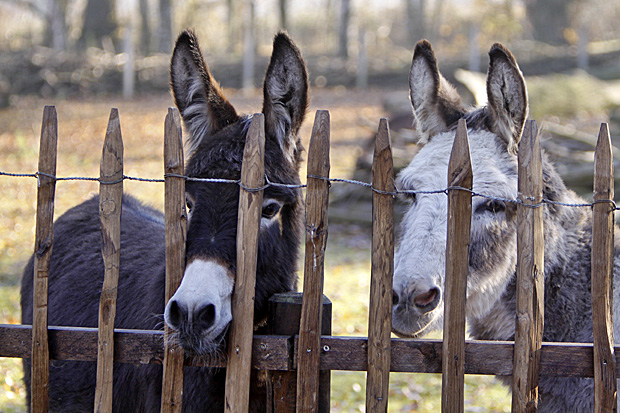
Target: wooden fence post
{"points": [[44, 237], [284, 319], [457, 259], [238, 369], [176, 225], [317, 198], [382, 271], [602, 276], [530, 274], [110, 205]]}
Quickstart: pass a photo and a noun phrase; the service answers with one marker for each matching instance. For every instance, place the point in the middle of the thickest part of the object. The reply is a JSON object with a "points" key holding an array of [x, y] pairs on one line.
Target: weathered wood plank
{"points": [[110, 204], [602, 275], [176, 226], [248, 225], [133, 347], [284, 315], [274, 352], [530, 277], [481, 357], [457, 260], [317, 199], [44, 236], [382, 270]]}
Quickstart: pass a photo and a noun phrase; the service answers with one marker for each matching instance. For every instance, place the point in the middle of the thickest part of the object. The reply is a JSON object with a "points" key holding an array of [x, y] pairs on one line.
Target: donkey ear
{"points": [[507, 95], [285, 95], [203, 107], [436, 103]]}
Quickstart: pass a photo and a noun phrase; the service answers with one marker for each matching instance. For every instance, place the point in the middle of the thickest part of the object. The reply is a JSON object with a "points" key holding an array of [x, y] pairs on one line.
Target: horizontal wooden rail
{"points": [[131, 346], [337, 352], [481, 357]]}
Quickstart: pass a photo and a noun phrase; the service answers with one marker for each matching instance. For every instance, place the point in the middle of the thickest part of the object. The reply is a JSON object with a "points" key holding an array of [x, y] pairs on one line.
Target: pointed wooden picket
{"points": [[460, 175], [110, 201]]}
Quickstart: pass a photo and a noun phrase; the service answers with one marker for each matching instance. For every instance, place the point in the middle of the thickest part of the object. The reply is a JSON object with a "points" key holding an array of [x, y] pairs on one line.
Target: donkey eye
{"points": [[493, 206], [408, 197], [271, 209], [188, 204]]}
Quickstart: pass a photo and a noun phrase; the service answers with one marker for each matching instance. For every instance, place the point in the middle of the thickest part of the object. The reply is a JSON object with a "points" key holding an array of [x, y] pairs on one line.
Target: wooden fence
{"points": [[299, 360]]}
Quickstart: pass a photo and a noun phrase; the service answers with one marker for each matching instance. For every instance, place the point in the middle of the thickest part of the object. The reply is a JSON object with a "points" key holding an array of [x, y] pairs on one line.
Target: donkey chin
{"points": [[408, 323], [202, 344]]}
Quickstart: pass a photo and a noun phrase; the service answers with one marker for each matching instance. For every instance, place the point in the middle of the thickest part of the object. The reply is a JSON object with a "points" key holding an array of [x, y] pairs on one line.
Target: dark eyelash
{"points": [[491, 205], [406, 196], [270, 210]]}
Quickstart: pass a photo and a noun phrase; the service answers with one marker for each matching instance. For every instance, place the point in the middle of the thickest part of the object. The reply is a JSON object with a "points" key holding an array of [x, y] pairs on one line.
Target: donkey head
{"points": [[494, 132], [200, 310]]}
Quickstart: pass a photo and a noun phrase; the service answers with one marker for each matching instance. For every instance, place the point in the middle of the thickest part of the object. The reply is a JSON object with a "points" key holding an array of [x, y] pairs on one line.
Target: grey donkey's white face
{"points": [[494, 132]]}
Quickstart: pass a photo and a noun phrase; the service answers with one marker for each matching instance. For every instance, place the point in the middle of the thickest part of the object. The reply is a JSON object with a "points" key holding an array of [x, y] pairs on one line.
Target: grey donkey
{"points": [[494, 133]]}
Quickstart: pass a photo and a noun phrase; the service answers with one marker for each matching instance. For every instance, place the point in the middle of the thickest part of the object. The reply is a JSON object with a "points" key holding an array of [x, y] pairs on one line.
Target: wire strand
{"points": [[268, 184]]}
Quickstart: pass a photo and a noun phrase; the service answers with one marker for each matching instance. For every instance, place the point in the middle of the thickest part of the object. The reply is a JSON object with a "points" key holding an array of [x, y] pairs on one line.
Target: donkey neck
{"points": [[567, 282]]}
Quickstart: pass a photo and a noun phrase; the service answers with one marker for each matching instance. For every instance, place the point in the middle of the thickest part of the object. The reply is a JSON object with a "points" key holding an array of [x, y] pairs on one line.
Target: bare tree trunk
{"points": [[583, 58], [165, 26], [474, 47], [330, 22], [248, 48], [129, 69], [229, 23], [283, 6], [98, 22], [416, 20], [343, 36], [361, 80], [145, 28], [57, 25], [436, 20], [549, 18]]}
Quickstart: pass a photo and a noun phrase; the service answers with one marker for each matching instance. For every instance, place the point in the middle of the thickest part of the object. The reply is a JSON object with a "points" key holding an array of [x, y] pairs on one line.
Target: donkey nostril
{"points": [[394, 298], [205, 317], [176, 314], [426, 299]]}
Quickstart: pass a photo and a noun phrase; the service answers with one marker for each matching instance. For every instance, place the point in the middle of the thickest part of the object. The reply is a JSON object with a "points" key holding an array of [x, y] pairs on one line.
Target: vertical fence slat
{"points": [[284, 320], [317, 197], [380, 317], [248, 225], [457, 248], [602, 276], [44, 236], [110, 200], [176, 225], [530, 274]]}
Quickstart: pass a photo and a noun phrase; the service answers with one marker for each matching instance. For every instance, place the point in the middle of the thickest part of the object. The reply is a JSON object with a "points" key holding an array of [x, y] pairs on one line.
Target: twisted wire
{"points": [[268, 184]]}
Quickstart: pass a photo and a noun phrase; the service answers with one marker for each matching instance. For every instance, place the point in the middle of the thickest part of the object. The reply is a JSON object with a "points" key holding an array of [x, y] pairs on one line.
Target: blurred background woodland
{"points": [[86, 56], [69, 48]]}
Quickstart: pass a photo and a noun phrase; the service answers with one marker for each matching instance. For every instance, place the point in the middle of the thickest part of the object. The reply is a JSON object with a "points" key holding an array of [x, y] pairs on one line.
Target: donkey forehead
{"points": [[494, 169], [221, 153], [221, 156]]}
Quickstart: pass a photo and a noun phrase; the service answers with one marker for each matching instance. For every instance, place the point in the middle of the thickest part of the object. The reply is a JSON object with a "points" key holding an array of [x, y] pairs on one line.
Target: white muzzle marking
{"points": [[205, 283]]}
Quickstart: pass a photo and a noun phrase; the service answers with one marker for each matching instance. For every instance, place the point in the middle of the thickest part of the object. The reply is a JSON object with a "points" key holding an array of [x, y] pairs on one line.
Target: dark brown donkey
{"points": [[199, 312]]}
